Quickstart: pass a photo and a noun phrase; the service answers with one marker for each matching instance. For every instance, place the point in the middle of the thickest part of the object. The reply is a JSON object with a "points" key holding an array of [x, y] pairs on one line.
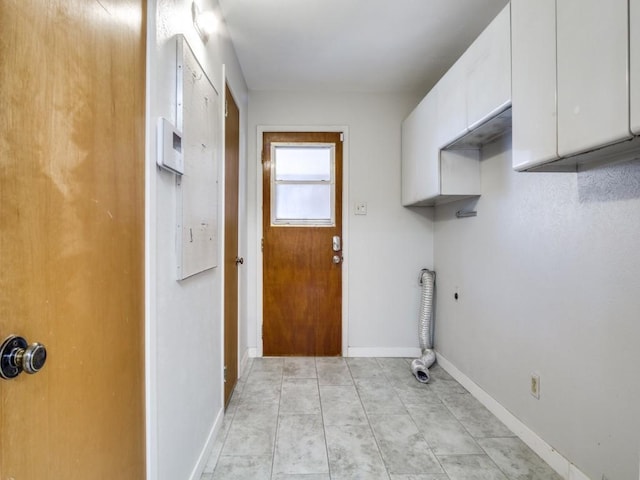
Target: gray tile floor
{"points": [[362, 418]]}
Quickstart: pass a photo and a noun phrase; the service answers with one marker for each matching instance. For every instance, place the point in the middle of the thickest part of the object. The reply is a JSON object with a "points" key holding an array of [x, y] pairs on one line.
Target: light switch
{"points": [[361, 208]]}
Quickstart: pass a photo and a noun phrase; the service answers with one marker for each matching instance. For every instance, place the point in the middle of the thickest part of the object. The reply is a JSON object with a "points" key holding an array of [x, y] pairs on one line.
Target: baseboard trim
{"points": [[545, 451], [243, 363], [406, 352], [208, 447], [398, 352]]}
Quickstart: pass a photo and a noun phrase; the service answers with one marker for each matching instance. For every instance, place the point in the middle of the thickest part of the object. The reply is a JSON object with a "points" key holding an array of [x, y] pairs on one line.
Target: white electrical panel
{"points": [[170, 156]]}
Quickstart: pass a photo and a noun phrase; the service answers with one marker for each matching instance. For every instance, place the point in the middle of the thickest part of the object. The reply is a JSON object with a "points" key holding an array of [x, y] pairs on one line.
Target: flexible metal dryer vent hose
{"points": [[420, 366]]}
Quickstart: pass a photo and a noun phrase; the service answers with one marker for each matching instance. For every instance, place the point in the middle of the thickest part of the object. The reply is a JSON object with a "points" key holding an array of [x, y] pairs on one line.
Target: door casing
{"points": [[345, 223]]}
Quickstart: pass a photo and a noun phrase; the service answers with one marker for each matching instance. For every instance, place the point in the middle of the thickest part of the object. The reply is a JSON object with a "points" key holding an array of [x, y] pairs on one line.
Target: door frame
{"points": [[345, 224]]}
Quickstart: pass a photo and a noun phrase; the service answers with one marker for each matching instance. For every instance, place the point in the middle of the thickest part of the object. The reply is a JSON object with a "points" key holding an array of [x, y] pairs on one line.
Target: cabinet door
{"points": [[593, 95], [420, 166], [452, 105], [533, 88], [634, 57], [488, 63]]}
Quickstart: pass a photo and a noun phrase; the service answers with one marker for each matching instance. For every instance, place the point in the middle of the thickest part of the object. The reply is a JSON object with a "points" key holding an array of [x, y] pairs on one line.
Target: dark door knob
{"points": [[239, 260], [17, 356]]}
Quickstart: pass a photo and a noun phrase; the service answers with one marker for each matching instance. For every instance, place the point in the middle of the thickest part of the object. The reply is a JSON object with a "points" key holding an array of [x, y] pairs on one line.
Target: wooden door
{"points": [[302, 272], [72, 236], [231, 256]]}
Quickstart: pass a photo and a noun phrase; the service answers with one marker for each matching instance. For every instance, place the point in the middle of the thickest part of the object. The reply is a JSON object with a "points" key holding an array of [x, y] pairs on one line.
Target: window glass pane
{"points": [[303, 202], [303, 164]]}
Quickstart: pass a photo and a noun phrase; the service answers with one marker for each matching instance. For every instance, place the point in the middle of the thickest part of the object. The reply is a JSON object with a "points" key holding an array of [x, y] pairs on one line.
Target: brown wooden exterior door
{"points": [[302, 284], [231, 256], [72, 236]]}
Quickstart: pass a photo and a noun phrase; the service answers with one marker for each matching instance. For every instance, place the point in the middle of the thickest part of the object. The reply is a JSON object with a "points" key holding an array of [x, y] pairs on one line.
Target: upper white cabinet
{"points": [[533, 89], [575, 83], [420, 164], [593, 93], [430, 175], [478, 86], [441, 138], [634, 57], [452, 105], [488, 71]]}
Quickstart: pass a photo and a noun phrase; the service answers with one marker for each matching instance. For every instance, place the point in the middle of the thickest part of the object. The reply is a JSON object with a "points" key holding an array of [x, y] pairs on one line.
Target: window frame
{"points": [[301, 222]]}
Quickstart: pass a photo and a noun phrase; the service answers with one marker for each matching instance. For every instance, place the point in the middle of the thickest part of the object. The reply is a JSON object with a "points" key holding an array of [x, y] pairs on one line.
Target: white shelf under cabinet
{"points": [[459, 174]]}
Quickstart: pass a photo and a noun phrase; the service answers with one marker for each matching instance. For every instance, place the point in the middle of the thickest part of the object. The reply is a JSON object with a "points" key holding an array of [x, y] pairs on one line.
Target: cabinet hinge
{"points": [[224, 374], [226, 109], [262, 244], [342, 137]]}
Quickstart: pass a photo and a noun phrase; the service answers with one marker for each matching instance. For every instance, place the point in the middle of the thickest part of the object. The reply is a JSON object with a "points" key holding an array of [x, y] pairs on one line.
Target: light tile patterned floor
{"points": [[362, 418]]}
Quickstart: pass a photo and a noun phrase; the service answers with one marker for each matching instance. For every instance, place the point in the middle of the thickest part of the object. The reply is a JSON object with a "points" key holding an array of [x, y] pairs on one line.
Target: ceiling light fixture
{"points": [[205, 23]]}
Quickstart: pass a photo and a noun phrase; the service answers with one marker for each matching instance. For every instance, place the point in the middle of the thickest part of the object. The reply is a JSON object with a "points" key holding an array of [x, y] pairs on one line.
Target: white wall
{"points": [[384, 250], [549, 282], [184, 319]]}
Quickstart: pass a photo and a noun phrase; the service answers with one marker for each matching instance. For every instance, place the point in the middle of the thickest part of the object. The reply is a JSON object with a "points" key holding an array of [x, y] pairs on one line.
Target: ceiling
{"points": [[352, 45]]}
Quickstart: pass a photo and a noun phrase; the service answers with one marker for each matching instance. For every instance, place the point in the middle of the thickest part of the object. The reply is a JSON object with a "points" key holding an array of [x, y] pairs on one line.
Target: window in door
{"points": [[303, 184]]}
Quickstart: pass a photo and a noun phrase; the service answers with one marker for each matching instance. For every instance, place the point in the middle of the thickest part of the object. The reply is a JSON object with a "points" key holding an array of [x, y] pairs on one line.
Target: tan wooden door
{"points": [[72, 236], [231, 257], [302, 283]]}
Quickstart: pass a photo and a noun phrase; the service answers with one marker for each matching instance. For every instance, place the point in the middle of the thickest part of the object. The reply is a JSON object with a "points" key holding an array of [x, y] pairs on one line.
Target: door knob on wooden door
{"points": [[17, 356]]}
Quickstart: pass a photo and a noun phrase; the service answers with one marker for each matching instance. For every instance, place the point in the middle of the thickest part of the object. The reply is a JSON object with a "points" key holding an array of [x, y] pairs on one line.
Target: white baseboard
{"points": [[545, 451], [575, 473], [208, 447], [243, 363], [402, 352]]}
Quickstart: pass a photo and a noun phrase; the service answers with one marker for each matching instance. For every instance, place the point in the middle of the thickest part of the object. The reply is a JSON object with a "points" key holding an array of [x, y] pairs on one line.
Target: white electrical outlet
{"points": [[534, 386]]}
